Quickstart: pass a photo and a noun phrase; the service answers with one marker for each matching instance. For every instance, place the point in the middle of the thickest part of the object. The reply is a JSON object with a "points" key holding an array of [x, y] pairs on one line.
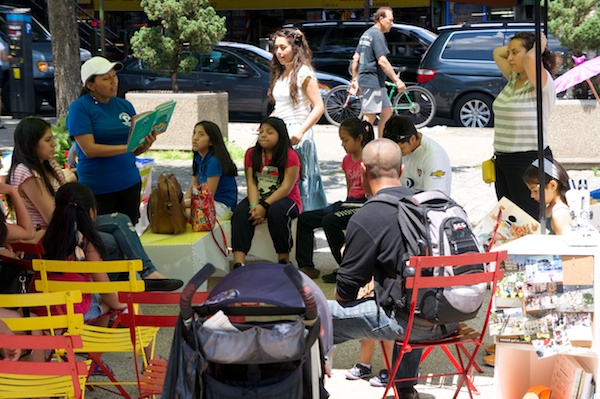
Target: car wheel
{"points": [[474, 110]]}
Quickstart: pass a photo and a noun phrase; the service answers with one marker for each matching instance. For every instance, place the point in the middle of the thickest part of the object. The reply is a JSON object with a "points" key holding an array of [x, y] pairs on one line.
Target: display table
{"points": [[181, 256], [517, 366]]}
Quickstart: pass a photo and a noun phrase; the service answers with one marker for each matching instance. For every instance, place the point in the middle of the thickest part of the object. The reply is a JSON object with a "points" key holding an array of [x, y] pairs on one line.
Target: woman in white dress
{"points": [[295, 92]]}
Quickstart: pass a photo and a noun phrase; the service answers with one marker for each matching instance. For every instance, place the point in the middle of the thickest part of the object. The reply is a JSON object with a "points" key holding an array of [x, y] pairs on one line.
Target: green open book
{"points": [[143, 124]]}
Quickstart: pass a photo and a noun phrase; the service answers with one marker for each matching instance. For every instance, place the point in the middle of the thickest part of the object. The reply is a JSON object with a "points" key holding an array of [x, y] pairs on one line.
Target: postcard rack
{"points": [[554, 276]]}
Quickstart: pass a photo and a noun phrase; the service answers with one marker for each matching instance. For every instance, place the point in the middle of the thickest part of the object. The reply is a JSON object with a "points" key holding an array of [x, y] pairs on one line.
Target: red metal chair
{"points": [[152, 378], [464, 359]]}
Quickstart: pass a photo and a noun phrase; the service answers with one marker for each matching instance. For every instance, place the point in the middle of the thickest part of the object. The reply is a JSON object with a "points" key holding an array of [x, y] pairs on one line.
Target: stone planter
{"points": [[191, 108], [574, 133]]}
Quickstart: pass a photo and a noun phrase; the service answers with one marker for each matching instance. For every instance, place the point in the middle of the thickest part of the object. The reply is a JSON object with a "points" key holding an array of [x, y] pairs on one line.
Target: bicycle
{"points": [[416, 103]]}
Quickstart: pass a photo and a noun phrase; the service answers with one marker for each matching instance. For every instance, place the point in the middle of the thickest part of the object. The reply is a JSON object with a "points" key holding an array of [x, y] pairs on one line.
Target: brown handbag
{"points": [[166, 207]]}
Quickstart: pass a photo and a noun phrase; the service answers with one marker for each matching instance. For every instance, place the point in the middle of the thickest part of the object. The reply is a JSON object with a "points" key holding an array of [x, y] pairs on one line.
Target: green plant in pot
{"points": [[184, 27], [63, 141]]}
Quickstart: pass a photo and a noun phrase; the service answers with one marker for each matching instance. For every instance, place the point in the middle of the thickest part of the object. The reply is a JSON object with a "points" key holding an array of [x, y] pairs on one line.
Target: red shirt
{"points": [[292, 160], [353, 175]]}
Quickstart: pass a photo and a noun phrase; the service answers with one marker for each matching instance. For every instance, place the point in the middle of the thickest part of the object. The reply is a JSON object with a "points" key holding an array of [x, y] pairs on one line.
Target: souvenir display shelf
{"points": [[517, 367]]}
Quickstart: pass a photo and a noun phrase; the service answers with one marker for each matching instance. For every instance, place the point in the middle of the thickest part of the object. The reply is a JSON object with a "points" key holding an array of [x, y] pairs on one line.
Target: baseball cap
{"points": [[98, 66], [399, 128]]}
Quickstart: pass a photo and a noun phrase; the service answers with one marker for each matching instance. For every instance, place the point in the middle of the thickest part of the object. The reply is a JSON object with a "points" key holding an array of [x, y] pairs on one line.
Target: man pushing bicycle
{"points": [[370, 66]]}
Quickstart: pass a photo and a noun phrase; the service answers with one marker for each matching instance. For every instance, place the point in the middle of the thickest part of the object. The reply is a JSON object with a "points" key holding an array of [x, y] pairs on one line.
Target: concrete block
{"points": [[573, 132], [191, 108]]}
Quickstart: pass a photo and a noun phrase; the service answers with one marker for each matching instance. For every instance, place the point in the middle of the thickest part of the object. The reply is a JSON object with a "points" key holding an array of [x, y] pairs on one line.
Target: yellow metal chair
{"points": [[97, 340], [64, 377]]}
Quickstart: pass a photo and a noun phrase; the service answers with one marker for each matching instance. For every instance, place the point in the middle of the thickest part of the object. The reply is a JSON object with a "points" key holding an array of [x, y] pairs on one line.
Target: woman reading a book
{"points": [[99, 121]]}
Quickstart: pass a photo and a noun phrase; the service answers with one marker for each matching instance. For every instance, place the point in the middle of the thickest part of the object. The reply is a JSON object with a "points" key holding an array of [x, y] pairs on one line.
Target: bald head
{"points": [[383, 158]]}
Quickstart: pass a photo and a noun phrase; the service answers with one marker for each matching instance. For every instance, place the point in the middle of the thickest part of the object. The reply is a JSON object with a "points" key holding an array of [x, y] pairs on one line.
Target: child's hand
{"points": [[296, 137], [7, 189], [11, 354]]}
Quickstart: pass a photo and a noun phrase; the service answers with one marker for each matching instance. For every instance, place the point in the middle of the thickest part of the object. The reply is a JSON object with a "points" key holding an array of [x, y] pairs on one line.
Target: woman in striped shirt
{"points": [[515, 109]]}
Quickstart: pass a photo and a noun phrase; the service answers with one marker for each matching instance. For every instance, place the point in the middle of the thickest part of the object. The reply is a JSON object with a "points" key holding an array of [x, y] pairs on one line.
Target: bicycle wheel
{"points": [[416, 103], [339, 106]]}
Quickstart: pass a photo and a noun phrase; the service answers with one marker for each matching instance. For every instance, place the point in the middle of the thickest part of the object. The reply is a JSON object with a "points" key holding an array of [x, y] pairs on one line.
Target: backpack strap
{"points": [[412, 226]]}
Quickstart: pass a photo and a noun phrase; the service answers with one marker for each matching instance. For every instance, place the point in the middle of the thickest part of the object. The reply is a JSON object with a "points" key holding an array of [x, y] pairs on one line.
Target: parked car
{"points": [[460, 71], [240, 69], [333, 43], [43, 65]]}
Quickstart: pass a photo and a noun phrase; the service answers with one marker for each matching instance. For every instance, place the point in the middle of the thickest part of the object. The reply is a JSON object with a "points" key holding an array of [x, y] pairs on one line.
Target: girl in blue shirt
{"points": [[213, 165]]}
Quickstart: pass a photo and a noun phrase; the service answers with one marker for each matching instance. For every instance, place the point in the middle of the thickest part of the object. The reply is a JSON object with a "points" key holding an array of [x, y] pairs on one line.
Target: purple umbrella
{"points": [[582, 71]]}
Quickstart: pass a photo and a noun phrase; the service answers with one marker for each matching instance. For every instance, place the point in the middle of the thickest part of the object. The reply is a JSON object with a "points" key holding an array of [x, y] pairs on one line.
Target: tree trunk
{"points": [[65, 50]]}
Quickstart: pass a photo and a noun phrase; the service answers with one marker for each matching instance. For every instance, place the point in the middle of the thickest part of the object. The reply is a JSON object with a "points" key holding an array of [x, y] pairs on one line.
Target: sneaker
{"points": [[238, 265], [330, 278], [310, 271], [381, 379], [490, 360], [408, 393], [358, 371]]}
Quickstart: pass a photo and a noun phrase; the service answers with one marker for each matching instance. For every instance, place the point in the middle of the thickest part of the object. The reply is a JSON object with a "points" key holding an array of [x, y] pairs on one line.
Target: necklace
{"points": [[94, 97]]}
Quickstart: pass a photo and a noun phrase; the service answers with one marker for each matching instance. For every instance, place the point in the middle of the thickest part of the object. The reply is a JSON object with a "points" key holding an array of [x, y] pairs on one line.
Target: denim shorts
{"points": [[95, 309]]}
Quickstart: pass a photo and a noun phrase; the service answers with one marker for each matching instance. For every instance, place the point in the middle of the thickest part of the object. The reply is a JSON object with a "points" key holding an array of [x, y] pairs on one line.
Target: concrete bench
{"points": [[262, 244], [183, 255]]}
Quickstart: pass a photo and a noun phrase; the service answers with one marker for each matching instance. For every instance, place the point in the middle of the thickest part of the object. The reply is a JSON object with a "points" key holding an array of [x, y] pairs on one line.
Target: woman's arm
{"points": [[91, 149], [35, 190], [530, 64], [310, 87], [501, 57], [252, 187], [24, 229]]}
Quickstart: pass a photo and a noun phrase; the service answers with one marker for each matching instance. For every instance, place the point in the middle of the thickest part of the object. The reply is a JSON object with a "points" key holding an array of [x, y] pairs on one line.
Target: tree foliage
{"points": [[191, 25], [576, 23]]}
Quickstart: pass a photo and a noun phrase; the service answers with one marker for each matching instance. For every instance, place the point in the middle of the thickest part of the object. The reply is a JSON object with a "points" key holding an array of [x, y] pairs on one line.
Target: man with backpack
{"points": [[374, 249]]}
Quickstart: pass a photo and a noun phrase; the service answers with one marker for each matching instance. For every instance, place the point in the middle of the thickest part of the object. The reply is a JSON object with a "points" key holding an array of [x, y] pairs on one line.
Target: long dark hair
{"points": [[552, 171], [302, 56], [280, 152], [72, 214], [548, 57], [27, 135], [218, 149], [356, 127], [3, 229]]}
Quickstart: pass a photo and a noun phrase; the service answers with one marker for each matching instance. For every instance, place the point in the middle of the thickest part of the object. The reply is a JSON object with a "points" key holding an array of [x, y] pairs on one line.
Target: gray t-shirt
{"points": [[371, 46]]}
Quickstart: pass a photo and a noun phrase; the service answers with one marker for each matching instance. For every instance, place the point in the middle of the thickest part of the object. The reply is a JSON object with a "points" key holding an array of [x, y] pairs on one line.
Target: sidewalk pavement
{"points": [[467, 148]]}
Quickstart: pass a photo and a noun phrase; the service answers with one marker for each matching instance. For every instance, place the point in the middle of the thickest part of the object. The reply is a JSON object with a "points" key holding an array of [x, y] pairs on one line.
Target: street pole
{"points": [[367, 10], [102, 28]]}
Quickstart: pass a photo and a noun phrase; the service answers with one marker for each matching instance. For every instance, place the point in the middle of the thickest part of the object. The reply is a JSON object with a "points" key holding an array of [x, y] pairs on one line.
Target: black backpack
{"points": [[431, 223]]}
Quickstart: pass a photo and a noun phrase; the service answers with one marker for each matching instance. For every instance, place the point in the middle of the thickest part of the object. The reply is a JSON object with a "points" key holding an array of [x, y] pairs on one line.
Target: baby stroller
{"points": [[276, 340]]}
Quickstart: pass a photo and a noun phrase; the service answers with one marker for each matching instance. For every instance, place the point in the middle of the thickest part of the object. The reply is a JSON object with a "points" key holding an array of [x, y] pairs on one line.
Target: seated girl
{"points": [[272, 173], [213, 165], [72, 235], [556, 184], [37, 176]]}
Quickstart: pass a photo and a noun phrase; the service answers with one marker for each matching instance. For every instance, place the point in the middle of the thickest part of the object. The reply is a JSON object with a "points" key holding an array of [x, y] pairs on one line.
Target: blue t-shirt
{"points": [[109, 123], [210, 166]]}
